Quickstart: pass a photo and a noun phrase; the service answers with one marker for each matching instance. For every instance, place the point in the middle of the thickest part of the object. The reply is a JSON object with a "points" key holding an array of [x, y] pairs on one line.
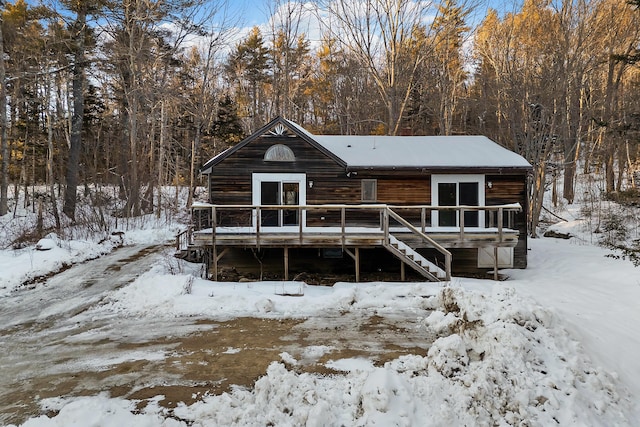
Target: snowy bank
{"points": [[498, 359], [52, 254]]}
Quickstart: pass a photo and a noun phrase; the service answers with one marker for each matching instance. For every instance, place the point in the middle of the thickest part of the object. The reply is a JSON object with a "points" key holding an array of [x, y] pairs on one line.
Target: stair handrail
{"points": [[183, 239], [447, 255]]}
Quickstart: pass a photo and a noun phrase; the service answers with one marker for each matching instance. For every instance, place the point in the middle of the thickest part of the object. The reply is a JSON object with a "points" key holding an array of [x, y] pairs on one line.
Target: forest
{"points": [[137, 94]]}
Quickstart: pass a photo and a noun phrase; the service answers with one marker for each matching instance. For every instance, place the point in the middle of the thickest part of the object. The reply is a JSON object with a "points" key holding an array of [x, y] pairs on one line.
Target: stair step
{"points": [[415, 259]]}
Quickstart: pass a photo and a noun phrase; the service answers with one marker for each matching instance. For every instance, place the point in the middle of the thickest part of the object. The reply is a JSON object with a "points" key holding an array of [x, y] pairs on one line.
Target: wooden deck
{"points": [[349, 227], [329, 237]]}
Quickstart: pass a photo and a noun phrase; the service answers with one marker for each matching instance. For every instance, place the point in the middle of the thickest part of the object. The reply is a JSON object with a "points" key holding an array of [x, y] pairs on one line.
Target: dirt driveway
{"points": [[47, 352]]}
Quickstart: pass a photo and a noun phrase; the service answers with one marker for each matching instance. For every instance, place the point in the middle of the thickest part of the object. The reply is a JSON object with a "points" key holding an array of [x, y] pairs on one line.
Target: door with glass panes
{"points": [[458, 191], [279, 193]]}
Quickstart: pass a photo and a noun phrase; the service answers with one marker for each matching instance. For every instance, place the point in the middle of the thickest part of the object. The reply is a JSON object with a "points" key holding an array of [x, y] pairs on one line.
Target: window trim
{"points": [[457, 179], [282, 178]]}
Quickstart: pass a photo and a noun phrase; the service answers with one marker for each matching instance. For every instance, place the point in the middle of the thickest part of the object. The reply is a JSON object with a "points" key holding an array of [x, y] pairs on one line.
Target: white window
{"points": [[279, 153], [369, 190], [457, 190]]}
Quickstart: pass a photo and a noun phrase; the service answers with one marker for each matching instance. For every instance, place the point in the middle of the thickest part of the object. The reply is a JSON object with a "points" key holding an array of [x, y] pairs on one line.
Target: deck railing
{"points": [[183, 239], [344, 216], [347, 224]]}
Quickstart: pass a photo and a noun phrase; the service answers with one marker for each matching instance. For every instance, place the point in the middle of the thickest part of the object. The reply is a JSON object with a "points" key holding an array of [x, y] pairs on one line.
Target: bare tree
{"points": [[77, 118], [4, 146], [380, 34], [289, 55], [201, 103]]}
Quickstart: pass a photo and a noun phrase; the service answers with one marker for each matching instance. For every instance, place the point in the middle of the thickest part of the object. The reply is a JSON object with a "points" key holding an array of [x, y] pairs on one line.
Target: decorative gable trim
{"points": [[276, 127]]}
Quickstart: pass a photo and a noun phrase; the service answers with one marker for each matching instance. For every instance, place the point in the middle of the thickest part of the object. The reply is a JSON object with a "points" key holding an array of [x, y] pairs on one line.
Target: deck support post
{"points": [[286, 263], [495, 263], [215, 262], [402, 272], [357, 265], [355, 256]]}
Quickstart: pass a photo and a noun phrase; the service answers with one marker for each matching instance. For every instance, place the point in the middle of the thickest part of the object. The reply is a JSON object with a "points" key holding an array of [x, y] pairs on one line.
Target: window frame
{"points": [[281, 179], [437, 179], [364, 191]]}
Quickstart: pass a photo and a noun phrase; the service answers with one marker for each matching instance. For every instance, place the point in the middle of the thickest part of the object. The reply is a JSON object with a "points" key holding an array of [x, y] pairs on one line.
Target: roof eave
{"points": [[428, 169]]}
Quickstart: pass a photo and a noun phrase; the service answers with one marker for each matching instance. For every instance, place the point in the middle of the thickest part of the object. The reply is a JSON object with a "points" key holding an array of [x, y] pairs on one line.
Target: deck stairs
{"points": [[414, 260], [186, 250]]}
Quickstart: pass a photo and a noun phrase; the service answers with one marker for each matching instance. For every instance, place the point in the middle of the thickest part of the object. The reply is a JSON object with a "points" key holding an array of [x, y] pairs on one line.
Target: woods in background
{"points": [[138, 93]]}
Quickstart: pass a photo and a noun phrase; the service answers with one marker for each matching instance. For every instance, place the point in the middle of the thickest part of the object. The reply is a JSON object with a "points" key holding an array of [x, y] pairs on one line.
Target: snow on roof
{"points": [[420, 151], [388, 152]]}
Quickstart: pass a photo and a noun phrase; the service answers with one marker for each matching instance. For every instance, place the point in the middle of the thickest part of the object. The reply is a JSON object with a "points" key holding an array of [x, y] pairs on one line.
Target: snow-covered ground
{"points": [[556, 344], [52, 254]]}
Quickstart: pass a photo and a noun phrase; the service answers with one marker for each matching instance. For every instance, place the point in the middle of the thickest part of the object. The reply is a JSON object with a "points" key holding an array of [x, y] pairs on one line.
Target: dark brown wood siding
{"points": [[512, 189], [410, 191], [231, 179]]}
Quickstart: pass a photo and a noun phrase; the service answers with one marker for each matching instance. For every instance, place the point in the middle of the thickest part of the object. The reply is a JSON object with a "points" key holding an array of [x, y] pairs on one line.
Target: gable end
{"points": [[277, 128]]}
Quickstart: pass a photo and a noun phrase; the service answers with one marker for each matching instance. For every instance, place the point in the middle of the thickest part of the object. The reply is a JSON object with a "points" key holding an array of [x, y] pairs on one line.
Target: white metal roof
{"points": [[396, 152], [420, 151]]}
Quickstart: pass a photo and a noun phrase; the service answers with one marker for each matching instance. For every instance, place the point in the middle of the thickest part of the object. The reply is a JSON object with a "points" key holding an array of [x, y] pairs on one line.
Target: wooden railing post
{"points": [[214, 249], [258, 221], [500, 224], [300, 221], [461, 220], [343, 224], [213, 226], [385, 223], [423, 218]]}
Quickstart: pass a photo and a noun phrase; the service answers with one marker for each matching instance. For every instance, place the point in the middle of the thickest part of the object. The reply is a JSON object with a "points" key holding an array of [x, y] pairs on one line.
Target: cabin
{"points": [[440, 205]]}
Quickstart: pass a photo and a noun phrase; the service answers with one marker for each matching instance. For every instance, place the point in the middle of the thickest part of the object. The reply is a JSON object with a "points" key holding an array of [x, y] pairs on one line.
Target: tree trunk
{"points": [[70, 195], [161, 158], [4, 147], [50, 181]]}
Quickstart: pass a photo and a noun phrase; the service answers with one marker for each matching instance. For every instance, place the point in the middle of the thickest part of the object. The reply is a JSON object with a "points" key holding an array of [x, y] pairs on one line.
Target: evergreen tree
{"points": [[247, 66], [227, 127]]}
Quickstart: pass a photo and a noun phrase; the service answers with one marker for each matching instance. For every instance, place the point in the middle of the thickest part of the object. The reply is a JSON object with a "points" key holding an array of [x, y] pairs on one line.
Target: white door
{"points": [[272, 189], [457, 190]]}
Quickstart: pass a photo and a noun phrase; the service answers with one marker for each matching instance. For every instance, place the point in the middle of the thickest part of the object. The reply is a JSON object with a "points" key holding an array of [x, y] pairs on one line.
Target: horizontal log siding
{"points": [[230, 180], [405, 191], [511, 189], [409, 191]]}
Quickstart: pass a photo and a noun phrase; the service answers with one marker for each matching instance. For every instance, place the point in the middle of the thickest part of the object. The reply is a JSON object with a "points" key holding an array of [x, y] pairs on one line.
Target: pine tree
{"points": [[226, 127], [247, 66]]}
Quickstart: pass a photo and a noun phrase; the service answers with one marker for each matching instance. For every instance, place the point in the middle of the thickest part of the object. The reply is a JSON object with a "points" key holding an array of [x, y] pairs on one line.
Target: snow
{"points": [[597, 298], [556, 344], [31, 263], [21, 265], [420, 151], [359, 151]]}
